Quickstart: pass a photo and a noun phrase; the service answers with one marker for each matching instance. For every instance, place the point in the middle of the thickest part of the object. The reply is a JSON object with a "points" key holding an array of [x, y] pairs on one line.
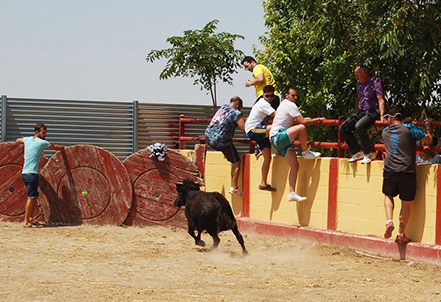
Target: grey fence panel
{"points": [[104, 124], [159, 123], [2, 118], [119, 127]]}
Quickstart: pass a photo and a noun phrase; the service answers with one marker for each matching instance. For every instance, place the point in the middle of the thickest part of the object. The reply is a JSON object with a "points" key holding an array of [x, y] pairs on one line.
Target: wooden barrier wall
{"points": [[85, 184]]}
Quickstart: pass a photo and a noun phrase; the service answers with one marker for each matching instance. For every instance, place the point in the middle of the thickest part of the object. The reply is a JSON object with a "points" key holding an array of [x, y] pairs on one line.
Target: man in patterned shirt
{"points": [[219, 135]]}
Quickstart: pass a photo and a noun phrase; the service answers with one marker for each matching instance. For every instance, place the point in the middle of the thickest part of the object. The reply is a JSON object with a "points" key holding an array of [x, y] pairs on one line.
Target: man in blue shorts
{"points": [[219, 135], [34, 146], [399, 175], [288, 125], [258, 131]]}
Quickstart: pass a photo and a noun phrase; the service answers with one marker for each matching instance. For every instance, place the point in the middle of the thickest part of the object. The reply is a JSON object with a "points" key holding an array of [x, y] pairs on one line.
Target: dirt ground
{"points": [[91, 263]]}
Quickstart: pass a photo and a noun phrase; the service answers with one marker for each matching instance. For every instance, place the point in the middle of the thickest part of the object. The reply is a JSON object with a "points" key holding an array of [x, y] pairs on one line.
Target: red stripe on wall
{"points": [[246, 186], [332, 194], [438, 207], [200, 154]]}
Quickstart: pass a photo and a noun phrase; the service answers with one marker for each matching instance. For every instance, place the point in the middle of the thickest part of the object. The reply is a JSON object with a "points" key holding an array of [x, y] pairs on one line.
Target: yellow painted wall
{"points": [[312, 182], [218, 178], [359, 201], [360, 207]]}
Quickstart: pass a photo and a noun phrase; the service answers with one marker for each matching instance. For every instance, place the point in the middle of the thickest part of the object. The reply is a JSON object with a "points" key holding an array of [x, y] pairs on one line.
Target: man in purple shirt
{"points": [[369, 107]]}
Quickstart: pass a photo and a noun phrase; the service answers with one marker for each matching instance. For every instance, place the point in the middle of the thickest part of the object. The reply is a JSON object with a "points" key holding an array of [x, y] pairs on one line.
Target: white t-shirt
{"points": [[259, 111], [285, 115]]}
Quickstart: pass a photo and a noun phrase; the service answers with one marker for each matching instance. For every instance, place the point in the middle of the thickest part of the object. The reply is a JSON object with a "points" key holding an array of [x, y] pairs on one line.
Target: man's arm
{"points": [[356, 103], [429, 135], [19, 140], [259, 80], [56, 147], [307, 120], [241, 123], [381, 106]]}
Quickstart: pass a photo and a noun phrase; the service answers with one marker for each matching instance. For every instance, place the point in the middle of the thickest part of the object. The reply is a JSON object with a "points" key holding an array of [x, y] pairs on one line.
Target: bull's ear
{"points": [[178, 185]]}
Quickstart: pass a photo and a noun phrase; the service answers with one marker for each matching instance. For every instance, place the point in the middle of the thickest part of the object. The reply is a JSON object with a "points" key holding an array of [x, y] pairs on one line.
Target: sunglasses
{"points": [[269, 95], [393, 116]]}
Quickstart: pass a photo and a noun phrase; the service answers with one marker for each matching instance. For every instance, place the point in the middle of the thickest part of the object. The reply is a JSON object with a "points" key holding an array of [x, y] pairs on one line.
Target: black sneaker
{"points": [[257, 151]]}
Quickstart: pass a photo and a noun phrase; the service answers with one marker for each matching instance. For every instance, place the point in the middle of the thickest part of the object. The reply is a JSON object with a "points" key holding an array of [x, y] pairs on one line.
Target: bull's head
{"points": [[186, 186]]}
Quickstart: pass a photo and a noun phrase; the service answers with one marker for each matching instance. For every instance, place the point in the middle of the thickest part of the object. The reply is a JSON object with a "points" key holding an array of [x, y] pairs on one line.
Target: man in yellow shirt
{"points": [[262, 77]]}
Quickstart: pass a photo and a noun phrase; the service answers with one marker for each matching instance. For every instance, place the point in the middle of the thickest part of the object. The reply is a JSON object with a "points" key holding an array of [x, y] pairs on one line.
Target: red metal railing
{"points": [[340, 145]]}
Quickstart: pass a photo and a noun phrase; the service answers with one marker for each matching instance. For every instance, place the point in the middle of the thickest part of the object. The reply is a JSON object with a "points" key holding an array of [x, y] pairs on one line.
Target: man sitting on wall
{"points": [[288, 125]]}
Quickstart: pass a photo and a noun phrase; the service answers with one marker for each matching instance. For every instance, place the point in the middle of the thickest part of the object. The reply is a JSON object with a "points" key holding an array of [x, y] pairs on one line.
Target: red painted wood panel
{"points": [[246, 187], [332, 194], [85, 184], [154, 187], [13, 193], [438, 207]]}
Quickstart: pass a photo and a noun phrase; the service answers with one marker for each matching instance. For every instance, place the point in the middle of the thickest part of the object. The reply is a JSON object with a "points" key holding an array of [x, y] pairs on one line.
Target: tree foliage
{"points": [[317, 44], [203, 55]]}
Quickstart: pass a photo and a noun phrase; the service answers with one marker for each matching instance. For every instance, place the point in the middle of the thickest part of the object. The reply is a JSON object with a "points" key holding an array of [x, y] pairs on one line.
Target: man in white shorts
{"points": [[288, 125]]}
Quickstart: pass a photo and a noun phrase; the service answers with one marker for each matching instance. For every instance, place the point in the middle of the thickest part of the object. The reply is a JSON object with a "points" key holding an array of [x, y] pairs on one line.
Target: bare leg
{"points": [[291, 158], [235, 170], [300, 131], [266, 165], [389, 207], [29, 210], [404, 215]]}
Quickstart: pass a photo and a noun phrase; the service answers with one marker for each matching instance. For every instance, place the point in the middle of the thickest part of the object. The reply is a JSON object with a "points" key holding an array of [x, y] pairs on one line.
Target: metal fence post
{"points": [[3, 124], [135, 126]]}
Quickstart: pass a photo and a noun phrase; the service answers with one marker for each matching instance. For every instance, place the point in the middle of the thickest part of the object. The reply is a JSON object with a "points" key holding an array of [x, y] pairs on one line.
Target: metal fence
{"points": [[119, 127]]}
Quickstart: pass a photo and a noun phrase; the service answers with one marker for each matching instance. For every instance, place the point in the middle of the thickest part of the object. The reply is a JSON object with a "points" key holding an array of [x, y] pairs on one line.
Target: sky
{"points": [[96, 49]]}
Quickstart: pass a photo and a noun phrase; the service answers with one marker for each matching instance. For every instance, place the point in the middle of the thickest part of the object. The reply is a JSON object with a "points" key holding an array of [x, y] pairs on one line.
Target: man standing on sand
{"points": [[260, 133], [219, 135], [369, 107], [288, 125], [399, 176], [34, 146]]}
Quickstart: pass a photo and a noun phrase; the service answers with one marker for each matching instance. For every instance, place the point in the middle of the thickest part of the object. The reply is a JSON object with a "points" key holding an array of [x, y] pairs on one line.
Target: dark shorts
{"points": [[258, 134], [395, 183], [230, 153], [31, 182]]}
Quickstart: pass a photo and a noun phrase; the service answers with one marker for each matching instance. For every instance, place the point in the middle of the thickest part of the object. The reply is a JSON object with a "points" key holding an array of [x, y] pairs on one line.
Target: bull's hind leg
{"points": [[216, 239], [197, 239], [239, 238]]}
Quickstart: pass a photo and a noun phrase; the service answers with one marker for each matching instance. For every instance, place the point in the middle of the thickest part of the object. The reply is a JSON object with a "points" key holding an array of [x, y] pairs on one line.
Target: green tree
{"points": [[203, 55], [317, 44]]}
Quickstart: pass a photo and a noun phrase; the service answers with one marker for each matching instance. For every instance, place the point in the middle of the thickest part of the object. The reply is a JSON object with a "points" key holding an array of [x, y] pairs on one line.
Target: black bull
{"points": [[208, 211]]}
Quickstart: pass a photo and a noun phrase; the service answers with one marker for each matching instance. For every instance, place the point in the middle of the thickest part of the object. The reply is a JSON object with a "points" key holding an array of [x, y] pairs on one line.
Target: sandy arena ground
{"points": [[90, 263]]}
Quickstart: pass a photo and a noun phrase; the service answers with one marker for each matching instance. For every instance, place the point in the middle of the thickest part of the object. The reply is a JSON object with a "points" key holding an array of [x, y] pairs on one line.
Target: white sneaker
{"points": [[235, 192], [308, 154], [368, 158], [357, 156], [293, 196]]}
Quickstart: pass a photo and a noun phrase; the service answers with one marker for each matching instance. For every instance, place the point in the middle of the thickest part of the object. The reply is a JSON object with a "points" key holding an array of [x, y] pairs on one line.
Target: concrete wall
{"points": [[341, 196]]}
